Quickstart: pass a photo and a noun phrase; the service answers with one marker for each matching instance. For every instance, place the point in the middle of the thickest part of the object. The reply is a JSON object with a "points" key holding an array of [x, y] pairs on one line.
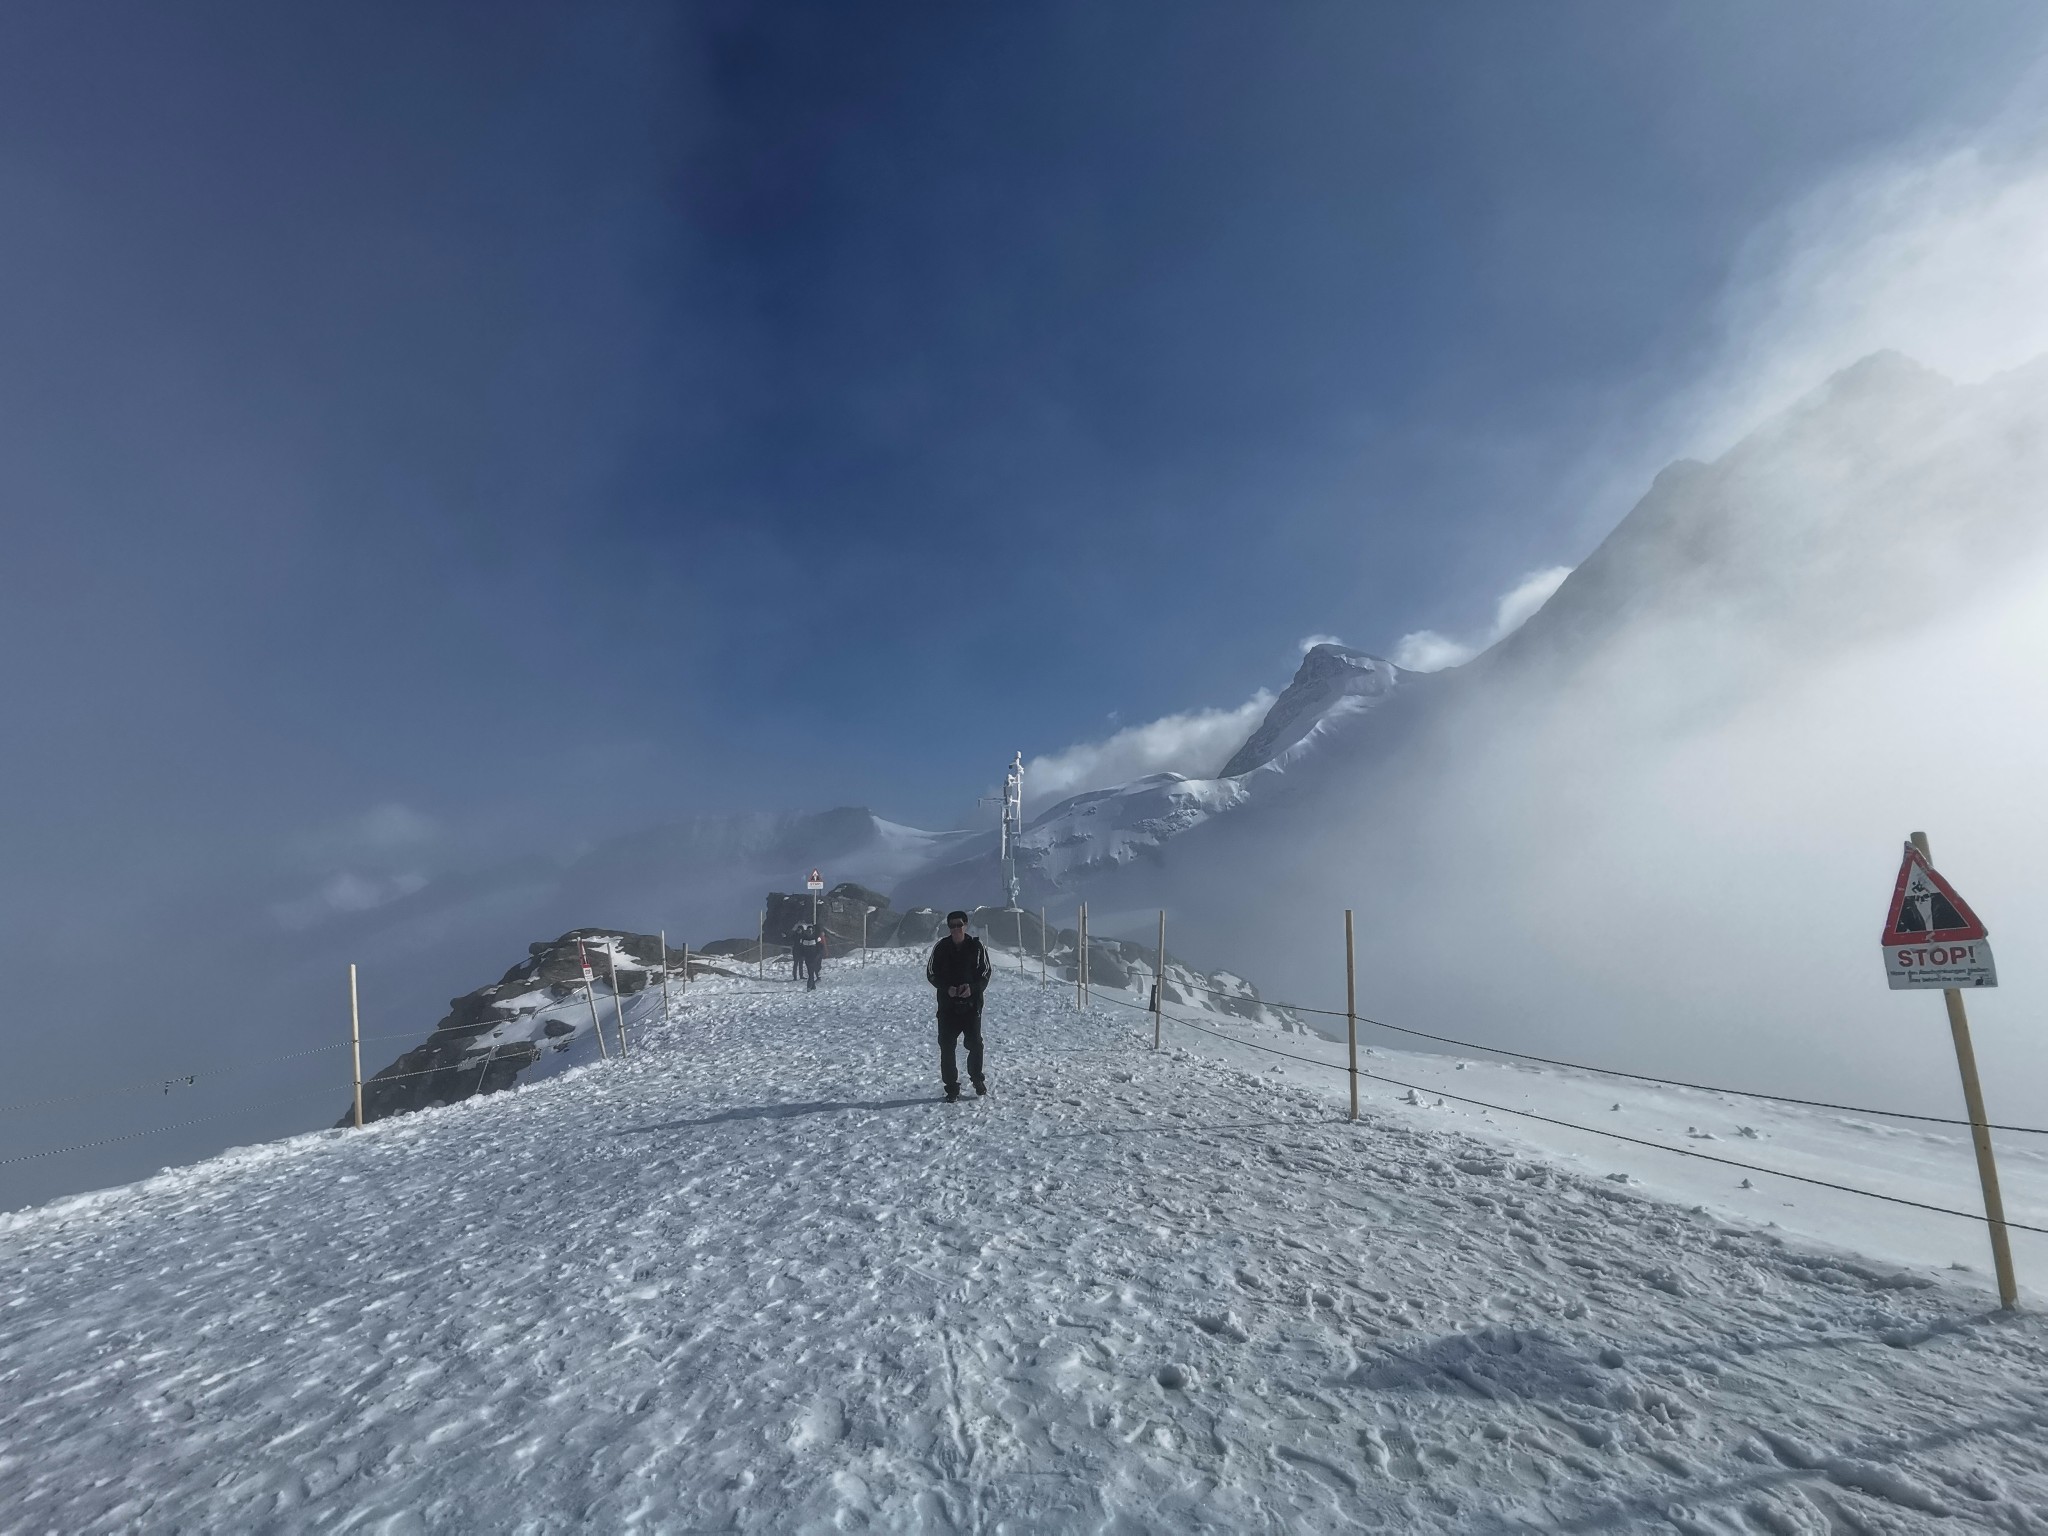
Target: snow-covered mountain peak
{"points": [[1329, 677]]}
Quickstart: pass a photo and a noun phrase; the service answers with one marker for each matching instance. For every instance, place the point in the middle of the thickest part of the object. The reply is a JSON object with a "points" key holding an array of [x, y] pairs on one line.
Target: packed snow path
{"points": [[757, 1278]]}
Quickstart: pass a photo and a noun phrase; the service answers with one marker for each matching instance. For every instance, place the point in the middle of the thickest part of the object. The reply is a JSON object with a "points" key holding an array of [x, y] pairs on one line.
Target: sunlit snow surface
{"points": [[756, 1278]]}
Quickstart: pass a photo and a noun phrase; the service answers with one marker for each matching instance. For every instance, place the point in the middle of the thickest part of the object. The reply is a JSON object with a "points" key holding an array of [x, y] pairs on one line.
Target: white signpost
{"points": [[814, 885], [1932, 939]]}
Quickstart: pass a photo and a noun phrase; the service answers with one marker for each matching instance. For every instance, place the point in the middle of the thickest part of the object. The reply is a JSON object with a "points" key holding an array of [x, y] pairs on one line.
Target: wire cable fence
{"points": [[1572, 1125], [1581, 1066], [155, 1130]]}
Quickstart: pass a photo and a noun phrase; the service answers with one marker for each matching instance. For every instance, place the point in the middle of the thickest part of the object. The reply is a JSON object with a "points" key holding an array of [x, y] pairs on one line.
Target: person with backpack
{"points": [[959, 969]]}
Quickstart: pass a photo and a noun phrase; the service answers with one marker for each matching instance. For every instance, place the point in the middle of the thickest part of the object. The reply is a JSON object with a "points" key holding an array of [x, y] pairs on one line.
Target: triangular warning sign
{"points": [[1926, 908]]}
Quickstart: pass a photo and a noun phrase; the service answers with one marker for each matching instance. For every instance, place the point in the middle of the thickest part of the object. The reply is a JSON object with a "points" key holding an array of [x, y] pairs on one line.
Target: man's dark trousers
{"points": [[955, 1023]]}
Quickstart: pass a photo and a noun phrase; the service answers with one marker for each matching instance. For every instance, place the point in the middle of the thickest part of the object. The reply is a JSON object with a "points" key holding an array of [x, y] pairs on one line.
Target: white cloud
{"points": [[1425, 650], [1310, 642], [1196, 744], [345, 893], [1520, 602], [378, 834]]}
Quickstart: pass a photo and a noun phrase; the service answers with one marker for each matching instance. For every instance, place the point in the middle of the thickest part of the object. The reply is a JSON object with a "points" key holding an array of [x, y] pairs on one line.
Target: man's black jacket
{"points": [[953, 965]]}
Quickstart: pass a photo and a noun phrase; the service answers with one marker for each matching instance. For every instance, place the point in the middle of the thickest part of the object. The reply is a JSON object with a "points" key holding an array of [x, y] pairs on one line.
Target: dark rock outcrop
{"points": [[455, 1063]]}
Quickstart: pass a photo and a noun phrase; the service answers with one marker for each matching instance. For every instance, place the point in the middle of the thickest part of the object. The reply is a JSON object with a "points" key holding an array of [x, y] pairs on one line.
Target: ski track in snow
{"points": [[757, 1278]]}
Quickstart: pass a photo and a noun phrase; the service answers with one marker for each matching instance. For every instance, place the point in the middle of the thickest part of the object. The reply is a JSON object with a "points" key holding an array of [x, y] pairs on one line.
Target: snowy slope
{"points": [[754, 1278]]}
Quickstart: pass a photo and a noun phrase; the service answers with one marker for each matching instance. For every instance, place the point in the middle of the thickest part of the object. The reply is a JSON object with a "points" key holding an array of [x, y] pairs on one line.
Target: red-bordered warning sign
{"points": [[816, 882], [1931, 937]]}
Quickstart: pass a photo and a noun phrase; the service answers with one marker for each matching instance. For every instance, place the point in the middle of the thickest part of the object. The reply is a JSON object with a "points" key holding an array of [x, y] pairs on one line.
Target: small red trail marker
{"points": [[1931, 937]]}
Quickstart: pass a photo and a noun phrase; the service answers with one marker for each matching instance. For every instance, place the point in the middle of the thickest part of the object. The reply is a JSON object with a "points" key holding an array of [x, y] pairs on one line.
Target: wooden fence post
{"points": [[1084, 958], [618, 998], [590, 994], [355, 1041], [1351, 1006], [1159, 986]]}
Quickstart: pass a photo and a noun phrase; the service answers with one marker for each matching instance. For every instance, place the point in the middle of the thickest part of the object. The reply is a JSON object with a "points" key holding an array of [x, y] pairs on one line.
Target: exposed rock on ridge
{"points": [[1330, 676]]}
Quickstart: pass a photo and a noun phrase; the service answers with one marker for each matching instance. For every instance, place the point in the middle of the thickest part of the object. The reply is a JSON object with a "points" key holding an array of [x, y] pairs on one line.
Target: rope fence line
{"points": [[163, 1082], [157, 1083], [155, 1130], [1572, 1125], [1639, 1077]]}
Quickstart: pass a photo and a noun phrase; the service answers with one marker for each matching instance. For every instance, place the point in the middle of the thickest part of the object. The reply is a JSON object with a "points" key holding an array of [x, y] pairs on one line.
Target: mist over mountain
{"points": [[1651, 826], [1656, 824]]}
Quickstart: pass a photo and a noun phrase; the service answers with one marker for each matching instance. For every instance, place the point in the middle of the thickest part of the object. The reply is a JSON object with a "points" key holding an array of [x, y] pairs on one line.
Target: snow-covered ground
{"points": [[755, 1277], [1926, 1163]]}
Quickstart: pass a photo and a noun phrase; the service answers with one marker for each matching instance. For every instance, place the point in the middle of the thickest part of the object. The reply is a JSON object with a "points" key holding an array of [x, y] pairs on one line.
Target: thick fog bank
{"points": [[1695, 885]]}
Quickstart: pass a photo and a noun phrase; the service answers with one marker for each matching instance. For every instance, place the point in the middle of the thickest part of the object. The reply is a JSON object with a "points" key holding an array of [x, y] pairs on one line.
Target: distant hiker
{"points": [[959, 969], [809, 952]]}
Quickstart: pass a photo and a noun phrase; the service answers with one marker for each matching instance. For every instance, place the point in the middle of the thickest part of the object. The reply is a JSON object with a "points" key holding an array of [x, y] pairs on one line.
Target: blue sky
{"points": [[473, 425]]}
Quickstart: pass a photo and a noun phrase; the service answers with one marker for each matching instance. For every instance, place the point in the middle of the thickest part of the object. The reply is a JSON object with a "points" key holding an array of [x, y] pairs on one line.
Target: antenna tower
{"points": [[1013, 829]]}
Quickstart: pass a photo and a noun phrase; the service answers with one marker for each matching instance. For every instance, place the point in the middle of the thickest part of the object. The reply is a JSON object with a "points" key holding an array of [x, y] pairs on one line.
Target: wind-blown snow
{"points": [[753, 1277]]}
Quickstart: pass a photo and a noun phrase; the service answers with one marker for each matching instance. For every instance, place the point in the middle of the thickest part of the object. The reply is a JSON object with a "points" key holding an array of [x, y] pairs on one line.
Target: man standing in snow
{"points": [[959, 969], [809, 951]]}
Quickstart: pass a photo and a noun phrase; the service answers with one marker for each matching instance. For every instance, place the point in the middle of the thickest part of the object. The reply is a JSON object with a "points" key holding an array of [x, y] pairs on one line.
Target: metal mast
{"points": [[1013, 829]]}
